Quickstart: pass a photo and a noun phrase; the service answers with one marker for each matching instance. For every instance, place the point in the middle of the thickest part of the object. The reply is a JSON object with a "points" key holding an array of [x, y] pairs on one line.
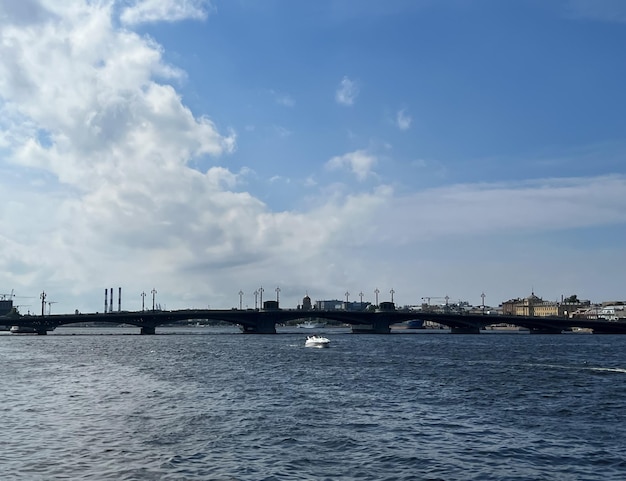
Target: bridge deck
{"points": [[264, 321]]}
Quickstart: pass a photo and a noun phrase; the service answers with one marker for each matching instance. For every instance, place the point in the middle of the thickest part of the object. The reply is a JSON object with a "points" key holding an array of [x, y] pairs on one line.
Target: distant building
{"points": [[337, 305], [306, 303], [270, 305], [386, 306], [6, 306], [329, 305], [612, 312], [536, 306]]}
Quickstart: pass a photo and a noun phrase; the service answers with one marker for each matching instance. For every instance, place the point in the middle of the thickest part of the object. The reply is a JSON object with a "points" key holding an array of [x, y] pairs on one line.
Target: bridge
{"points": [[264, 321]]}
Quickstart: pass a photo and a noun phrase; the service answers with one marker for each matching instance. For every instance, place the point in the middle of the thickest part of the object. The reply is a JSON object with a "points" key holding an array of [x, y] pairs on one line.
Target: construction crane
{"points": [[10, 297], [17, 308], [4, 297], [50, 305], [428, 298]]}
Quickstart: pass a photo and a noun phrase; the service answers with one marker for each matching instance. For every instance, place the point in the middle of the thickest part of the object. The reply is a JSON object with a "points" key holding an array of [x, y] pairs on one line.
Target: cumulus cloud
{"points": [[403, 120], [347, 92], [102, 185], [104, 148], [145, 11], [359, 162], [90, 91]]}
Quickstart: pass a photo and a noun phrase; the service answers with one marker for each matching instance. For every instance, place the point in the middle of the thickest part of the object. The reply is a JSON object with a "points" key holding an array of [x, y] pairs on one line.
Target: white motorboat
{"points": [[317, 341]]}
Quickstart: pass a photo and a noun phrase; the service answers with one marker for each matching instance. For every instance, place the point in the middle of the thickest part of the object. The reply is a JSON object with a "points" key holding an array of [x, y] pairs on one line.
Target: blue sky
{"points": [[205, 147]]}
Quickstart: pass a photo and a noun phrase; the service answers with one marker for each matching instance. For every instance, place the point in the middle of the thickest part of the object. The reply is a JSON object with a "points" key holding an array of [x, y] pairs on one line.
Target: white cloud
{"points": [[359, 162], [420, 163], [283, 99], [97, 102], [485, 209], [280, 178], [145, 11], [281, 131], [347, 92], [403, 120], [602, 10]]}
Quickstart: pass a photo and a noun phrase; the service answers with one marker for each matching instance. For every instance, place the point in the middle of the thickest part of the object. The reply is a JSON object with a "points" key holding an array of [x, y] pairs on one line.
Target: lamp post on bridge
{"points": [[347, 297], [42, 296], [376, 292], [483, 302], [277, 293], [153, 291], [240, 299], [256, 295], [361, 296], [392, 292], [261, 297], [143, 301]]}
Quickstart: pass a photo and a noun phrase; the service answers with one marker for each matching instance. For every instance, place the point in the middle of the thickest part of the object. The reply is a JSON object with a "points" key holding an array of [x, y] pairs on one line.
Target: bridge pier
{"points": [[42, 332], [148, 330], [464, 330], [376, 327], [263, 326]]}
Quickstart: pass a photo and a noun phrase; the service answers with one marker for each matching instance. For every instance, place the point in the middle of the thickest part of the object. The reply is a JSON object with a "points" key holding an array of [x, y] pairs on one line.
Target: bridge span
{"points": [[264, 321]]}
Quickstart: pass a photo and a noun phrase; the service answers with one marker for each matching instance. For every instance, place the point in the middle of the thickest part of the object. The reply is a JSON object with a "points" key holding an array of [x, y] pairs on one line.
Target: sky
{"points": [[207, 148]]}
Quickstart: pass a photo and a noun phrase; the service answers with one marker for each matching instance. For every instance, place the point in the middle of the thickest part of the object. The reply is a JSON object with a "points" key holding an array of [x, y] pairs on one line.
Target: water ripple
{"points": [[223, 406]]}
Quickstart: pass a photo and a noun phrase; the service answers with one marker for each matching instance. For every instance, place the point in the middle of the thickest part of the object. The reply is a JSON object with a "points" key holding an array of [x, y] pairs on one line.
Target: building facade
{"points": [[536, 306]]}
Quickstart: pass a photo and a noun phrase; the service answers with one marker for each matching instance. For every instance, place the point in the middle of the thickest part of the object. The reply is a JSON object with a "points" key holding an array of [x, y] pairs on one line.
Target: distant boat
{"points": [[22, 330], [317, 341], [312, 325]]}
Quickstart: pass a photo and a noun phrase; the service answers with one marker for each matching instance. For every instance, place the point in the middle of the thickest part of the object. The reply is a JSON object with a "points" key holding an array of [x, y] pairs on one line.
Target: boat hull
{"points": [[317, 341]]}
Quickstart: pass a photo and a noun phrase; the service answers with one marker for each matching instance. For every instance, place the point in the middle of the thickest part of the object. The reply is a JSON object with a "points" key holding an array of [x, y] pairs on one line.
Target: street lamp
{"points": [[42, 296], [240, 299], [143, 299], [347, 296], [153, 291], [376, 291], [261, 296], [392, 293], [277, 293], [256, 295], [361, 296]]}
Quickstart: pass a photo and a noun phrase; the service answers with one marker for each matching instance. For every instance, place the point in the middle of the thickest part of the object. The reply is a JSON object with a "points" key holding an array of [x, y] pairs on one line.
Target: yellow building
{"points": [[536, 306]]}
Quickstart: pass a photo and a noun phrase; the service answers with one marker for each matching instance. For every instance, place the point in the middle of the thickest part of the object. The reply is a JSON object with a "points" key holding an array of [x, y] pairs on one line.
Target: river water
{"points": [[213, 404]]}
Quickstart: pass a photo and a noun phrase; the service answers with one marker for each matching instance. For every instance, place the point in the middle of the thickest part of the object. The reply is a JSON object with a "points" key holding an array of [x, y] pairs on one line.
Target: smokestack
{"points": [[119, 300], [106, 301], [111, 301]]}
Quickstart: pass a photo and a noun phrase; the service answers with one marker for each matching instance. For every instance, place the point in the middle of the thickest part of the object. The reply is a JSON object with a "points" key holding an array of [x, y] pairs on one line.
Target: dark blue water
{"points": [[213, 404]]}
